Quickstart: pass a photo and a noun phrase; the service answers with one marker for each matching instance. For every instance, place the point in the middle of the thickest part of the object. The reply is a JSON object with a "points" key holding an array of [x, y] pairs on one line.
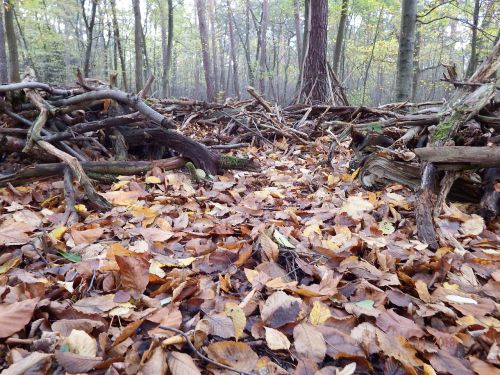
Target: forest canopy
{"points": [[56, 37]]}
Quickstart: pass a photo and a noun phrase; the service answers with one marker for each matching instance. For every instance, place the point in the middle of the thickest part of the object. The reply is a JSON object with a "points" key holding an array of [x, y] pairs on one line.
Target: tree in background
{"points": [[4, 73], [89, 26], [471, 67], [263, 46], [234, 58], [118, 43], [339, 43], [139, 66], [315, 84], [205, 49], [11, 42], [404, 76]]}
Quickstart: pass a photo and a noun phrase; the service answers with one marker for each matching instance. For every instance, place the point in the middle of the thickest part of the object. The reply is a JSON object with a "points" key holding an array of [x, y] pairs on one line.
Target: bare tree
{"points": [[234, 57], [12, 43], [212, 23], [339, 42], [205, 49], [315, 85], [118, 43], [406, 49], [263, 45], [4, 73], [298, 33], [471, 67], [139, 67], [89, 26]]}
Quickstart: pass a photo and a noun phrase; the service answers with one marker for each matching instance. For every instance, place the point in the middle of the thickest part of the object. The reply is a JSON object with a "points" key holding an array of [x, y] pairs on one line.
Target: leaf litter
{"points": [[293, 270]]}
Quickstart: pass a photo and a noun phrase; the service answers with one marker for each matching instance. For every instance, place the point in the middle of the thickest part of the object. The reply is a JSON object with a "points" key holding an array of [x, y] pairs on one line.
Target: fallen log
{"points": [[460, 157]]}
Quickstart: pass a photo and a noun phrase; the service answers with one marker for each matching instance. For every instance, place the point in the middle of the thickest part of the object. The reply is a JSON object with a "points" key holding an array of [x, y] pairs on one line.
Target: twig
{"points": [[202, 356]]}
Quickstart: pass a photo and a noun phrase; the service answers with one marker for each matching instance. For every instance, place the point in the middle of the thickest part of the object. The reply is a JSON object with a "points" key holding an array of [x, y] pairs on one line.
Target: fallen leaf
{"points": [[15, 316], [181, 364], [276, 340], [134, 272], [280, 309], [14, 234], [238, 317], [81, 343], [234, 354], [319, 313], [309, 342]]}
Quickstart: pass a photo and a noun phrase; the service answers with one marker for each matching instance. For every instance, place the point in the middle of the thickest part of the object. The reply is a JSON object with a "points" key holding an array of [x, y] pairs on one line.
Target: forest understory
{"points": [[156, 236]]}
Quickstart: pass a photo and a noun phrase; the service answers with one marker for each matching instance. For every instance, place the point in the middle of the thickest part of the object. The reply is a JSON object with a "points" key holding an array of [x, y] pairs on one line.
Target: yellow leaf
{"points": [[81, 343], [319, 313], [58, 232], [155, 268], [276, 340], [422, 291], [251, 274], [238, 317], [428, 370], [119, 185], [332, 180], [153, 180], [80, 208], [467, 320], [448, 286], [312, 229]]}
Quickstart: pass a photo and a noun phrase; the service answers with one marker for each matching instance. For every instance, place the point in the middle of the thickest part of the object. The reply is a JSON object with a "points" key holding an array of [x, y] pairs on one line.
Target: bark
{"points": [[205, 49], [298, 33], [170, 40], [4, 73], [471, 67], [89, 25], [339, 42], [234, 57], [211, 16], [139, 67], [416, 65], [164, 51], [315, 85], [12, 43], [406, 49], [118, 44], [368, 65], [263, 46]]}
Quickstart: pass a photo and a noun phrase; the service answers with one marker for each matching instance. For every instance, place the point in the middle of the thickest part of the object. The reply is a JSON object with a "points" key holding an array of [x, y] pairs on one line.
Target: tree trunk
{"points": [[406, 47], [139, 67], [164, 51], [205, 49], [234, 58], [298, 33], [416, 65], [471, 67], [211, 17], [315, 86], [170, 40], [89, 25], [4, 73], [116, 31], [263, 46], [370, 59], [12, 43], [340, 36]]}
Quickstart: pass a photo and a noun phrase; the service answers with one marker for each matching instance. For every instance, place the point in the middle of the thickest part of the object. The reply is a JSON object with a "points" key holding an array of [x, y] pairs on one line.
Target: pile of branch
{"points": [[93, 130], [451, 150]]}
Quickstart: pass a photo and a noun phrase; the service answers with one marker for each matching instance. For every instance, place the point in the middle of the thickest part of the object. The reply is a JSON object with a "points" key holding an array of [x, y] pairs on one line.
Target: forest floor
{"points": [[293, 269]]}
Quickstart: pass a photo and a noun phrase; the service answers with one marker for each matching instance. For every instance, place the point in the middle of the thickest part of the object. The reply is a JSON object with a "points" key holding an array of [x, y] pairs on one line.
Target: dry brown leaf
{"points": [[269, 247], [65, 326], [156, 364], [14, 233], [15, 316], [234, 354], [127, 332], [76, 364], [88, 236], [309, 342], [280, 309], [392, 323], [181, 364], [134, 272], [218, 325], [27, 363]]}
